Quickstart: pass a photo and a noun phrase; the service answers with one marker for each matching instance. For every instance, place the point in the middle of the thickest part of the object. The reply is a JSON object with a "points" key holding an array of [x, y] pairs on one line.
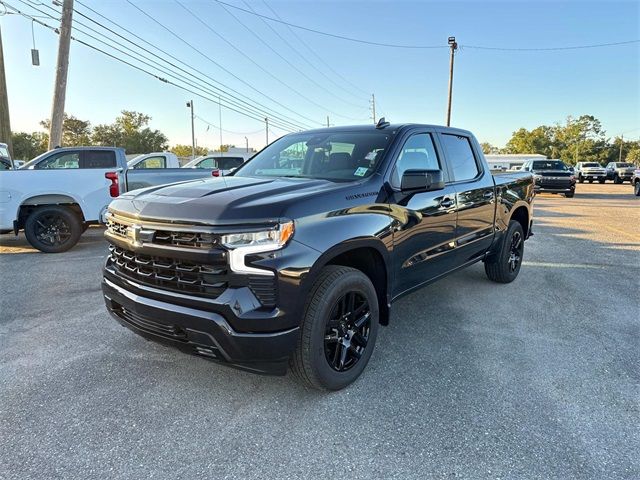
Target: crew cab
{"points": [[590, 171], [224, 164], [58, 194], [295, 259], [620, 171], [551, 176]]}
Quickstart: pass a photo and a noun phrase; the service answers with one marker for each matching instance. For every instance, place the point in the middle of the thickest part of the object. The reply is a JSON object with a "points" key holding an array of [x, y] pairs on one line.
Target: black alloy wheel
{"points": [[52, 230], [515, 251], [347, 331]]}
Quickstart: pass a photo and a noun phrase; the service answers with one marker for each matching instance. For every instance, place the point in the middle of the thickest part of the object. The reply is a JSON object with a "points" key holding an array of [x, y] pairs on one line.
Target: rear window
{"points": [[227, 163], [461, 157], [98, 159]]}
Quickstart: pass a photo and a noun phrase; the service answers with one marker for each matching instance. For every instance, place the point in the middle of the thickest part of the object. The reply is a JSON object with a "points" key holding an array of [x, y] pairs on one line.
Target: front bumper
{"points": [[593, 175], [554, 188], [199, 332]]}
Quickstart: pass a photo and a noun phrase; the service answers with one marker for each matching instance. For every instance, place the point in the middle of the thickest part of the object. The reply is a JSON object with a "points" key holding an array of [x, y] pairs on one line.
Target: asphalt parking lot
{"points": [[536, 379]]}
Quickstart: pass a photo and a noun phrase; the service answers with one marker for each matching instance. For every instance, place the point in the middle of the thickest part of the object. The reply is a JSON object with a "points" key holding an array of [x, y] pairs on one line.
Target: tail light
{"points": [[215, 173], [114, 188]]}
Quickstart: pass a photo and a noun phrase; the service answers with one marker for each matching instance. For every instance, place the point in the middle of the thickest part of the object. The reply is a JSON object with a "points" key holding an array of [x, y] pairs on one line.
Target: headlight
{"points": [[269, 239], [242, 244], [537, 177]]}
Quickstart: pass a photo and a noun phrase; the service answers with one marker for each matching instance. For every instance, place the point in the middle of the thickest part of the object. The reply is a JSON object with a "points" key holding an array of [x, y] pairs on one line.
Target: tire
{"points": [[570, 195], [617, 180], [636, 188], [311, 363], [590, 180], [53, 229], [601, 180], [580, 179], [501, 267]]}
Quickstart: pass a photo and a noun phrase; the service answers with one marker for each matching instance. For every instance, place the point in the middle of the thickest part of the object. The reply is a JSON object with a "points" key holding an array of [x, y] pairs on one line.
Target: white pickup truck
{"points": [[57, 195]]}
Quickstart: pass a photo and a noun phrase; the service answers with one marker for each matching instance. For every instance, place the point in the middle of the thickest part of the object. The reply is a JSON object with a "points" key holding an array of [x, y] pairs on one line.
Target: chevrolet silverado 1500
{"points": [[295, 259]]}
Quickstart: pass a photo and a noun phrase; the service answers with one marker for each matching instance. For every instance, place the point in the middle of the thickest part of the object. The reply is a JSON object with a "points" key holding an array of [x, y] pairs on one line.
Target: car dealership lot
{"points": [[538, 378]]}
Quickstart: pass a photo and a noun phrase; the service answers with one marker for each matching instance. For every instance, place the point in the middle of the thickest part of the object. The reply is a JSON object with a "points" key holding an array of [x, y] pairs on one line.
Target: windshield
{"points": [[4, 151], [591, 164], [134, 160], [549, 165], [339, 156]]}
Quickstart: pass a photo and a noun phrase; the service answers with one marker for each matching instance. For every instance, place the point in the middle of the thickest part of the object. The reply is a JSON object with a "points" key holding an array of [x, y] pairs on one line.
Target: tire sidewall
{"points": [[506, 251], [317, 320], [72, 220]]}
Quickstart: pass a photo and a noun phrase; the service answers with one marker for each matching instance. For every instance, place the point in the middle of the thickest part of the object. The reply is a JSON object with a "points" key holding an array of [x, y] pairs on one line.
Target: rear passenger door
{"points": [[475, 196], [426, 221]]}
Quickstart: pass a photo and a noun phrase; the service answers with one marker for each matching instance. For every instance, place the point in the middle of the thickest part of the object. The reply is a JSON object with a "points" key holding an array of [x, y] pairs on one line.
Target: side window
{"points": [[60, 160], [152, 162], [206, 163], [229, 163], [98, 159], [461, 158], [418, 153]]}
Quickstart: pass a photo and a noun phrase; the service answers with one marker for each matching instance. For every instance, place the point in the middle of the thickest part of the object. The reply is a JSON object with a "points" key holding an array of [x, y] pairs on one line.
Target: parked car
{"points": [[635, 181], [590, 171], [551, 176], [620, 171], [223, 164], [282, 265], [5, 163], [58, 194]]}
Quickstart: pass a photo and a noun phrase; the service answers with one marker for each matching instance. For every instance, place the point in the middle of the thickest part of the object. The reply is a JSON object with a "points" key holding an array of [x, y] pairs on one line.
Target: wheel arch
{"points": [[521, 214], [29, 204], [368, 256]]}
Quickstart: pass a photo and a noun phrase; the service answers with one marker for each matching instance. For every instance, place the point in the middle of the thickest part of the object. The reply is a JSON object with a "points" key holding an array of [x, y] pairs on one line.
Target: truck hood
{"points": [[222, 200]]}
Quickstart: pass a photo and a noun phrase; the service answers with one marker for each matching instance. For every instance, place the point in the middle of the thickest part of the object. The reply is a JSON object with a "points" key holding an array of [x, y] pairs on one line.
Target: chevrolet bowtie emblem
{"points": [[133, 234]]}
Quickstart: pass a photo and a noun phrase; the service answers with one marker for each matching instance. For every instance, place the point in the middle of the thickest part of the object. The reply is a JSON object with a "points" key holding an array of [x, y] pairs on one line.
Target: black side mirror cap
{"points": [[422, 181]]}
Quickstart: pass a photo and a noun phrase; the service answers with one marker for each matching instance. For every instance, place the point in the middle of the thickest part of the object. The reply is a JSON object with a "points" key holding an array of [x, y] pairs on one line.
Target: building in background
{"points": [[511, 161]]}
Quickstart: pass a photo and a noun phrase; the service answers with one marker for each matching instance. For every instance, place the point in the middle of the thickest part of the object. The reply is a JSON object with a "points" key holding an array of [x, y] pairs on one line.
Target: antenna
{"points": [[382, 123]]}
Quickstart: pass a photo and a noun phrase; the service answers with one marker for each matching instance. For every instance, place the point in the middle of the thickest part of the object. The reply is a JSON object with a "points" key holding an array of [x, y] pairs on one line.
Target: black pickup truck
{"points": [[296, 258]]}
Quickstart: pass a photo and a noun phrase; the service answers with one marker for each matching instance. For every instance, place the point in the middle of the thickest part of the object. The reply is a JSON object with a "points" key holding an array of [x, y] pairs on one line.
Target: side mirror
{"points": [[422, 181]]}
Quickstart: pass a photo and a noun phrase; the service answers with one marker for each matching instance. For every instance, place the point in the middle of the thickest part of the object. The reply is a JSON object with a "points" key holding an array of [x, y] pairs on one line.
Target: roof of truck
{"points": [[390, 127]]}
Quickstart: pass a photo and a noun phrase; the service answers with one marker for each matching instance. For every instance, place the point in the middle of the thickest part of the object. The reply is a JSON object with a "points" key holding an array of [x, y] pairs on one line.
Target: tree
{"points": [[632, 157], [29, 145], [225, 148], [127, 131], [539, 140], [489, 149], [75, 132], [185, 150]]}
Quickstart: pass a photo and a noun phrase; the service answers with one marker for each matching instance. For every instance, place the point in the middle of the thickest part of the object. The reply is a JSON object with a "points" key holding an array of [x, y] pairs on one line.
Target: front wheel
{"points": [[570, 194], [338, 331], [601, 180], [580, 179], [617, 180], [53, 229], [504, 265], [636, 188], [591, 180]]}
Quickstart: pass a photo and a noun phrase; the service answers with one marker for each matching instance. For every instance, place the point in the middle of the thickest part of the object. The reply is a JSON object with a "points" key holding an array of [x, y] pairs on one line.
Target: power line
{"points": [[206, 122], [261, 40], [137, 67], [248, 57], [300, 54], [216, 63], [395, 45], [255, 112], [315, 54]]}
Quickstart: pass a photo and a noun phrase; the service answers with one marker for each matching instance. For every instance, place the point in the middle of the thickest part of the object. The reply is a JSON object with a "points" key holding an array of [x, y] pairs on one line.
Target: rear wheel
{"points": [[338, 331], [53, 229], [616, 179], [504, 265], [591, 180], [601, 180], [636, 188]]}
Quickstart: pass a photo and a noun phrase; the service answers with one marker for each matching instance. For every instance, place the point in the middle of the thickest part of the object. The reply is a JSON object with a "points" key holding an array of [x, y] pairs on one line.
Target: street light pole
{"points": [[454, 46], [246, 141], [193, 133]]}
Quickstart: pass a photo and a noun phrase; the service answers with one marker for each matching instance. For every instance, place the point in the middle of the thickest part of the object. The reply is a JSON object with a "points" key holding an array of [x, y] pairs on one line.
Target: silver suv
{"points": [[590, 171], [620, 171]]}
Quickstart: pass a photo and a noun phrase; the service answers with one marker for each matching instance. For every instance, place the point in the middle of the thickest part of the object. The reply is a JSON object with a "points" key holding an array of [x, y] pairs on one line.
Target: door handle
{"points": [[446, 202]]}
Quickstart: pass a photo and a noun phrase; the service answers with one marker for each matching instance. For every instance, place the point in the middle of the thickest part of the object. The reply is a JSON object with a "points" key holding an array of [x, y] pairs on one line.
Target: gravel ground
{"points": [[535, 379]]}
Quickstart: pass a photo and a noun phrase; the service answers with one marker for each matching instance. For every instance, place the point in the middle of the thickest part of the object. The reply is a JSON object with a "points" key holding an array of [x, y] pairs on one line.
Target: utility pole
{"points": [[193, 133], [60, 88], [327, 121], [5, 123], [373, 108], [220, 122], [246, 141], [454, 46], [266, 121], [621, 144]]}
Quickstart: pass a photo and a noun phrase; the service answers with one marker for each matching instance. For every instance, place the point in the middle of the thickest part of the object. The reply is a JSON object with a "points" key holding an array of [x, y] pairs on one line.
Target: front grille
{"points": [[170, 274], [165, 330], [186, 239]]}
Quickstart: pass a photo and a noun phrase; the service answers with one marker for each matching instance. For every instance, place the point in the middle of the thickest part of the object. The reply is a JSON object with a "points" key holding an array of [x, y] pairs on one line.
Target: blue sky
{"points": [[495, 92]]}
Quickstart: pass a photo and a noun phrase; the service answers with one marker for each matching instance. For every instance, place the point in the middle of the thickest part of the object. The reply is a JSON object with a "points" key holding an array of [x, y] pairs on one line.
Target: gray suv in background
{"points": [[620, 171], [590, 171]]}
